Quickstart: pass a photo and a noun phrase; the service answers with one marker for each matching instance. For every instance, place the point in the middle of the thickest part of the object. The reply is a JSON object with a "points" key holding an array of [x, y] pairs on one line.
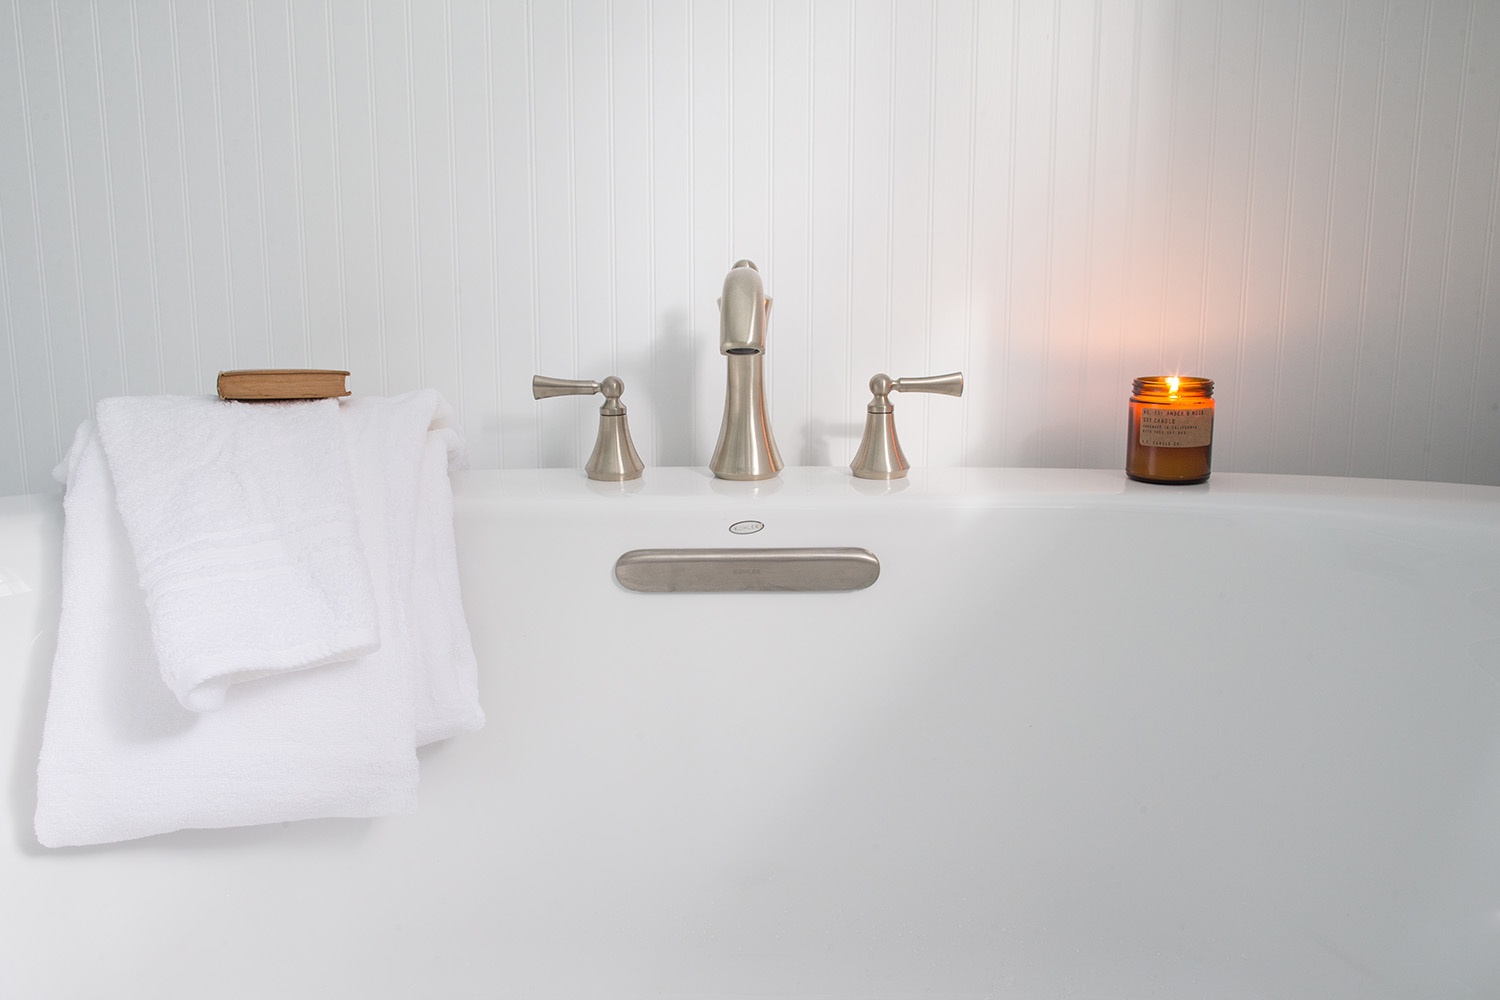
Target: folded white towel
{"points": [[241, 517], [122, 758], [417, 432], [447, 703]]}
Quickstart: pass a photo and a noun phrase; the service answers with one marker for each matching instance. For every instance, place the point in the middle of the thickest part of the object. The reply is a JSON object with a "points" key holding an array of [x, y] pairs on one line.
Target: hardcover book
{"points": [[270, 384]]}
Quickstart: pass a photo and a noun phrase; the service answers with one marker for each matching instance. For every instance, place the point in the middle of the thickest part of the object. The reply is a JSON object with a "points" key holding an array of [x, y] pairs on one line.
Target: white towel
{"points": [[448, 701], [419, 429], [122, 758], [241, 517]]}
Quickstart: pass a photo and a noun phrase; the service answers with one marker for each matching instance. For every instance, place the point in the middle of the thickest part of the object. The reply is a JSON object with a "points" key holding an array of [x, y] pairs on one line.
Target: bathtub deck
{"points": [[1083, 737]]}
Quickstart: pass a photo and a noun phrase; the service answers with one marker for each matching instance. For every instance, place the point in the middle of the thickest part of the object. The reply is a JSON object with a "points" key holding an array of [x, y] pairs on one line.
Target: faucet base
{"points": [[746, 450]]}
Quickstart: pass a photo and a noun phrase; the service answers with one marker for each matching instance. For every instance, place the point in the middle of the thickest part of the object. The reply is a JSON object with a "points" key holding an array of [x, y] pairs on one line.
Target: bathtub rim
{"points": [[969, 486], [979, 486]]}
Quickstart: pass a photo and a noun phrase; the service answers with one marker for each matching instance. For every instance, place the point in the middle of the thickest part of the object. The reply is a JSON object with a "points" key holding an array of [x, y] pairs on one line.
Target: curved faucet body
{"points": [[746, 448]]}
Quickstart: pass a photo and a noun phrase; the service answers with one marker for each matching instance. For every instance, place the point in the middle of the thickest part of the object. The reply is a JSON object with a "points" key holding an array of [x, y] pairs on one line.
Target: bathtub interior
{"points": [[1080, 739]]}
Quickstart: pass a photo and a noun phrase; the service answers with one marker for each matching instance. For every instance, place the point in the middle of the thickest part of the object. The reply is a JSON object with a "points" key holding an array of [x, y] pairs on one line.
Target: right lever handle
{"points": [[880, 455], [951, 384]]}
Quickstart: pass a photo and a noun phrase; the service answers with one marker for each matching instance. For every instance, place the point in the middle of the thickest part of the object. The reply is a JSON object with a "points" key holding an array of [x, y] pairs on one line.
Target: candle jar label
{"points": [[1172, 427]]}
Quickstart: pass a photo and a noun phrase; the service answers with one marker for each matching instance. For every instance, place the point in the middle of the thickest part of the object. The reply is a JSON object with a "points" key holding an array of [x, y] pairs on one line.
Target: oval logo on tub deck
{"points": [[745, 527]]}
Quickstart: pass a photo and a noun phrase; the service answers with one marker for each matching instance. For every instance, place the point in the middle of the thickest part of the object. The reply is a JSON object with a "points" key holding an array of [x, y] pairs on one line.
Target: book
{"points": [[264, 385]]}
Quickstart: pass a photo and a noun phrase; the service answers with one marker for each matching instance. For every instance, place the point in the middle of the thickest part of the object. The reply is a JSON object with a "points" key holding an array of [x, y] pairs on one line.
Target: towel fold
{"points": [[123, 758], [447, 703], [242, 520]]}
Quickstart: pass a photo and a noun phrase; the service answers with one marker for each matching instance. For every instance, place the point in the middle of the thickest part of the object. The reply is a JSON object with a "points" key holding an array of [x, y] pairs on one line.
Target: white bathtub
{"points": [[1083, 738]]}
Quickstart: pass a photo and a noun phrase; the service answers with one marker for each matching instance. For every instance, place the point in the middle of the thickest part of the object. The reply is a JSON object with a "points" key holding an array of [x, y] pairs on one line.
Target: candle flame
{"points": [[1173, 382]]}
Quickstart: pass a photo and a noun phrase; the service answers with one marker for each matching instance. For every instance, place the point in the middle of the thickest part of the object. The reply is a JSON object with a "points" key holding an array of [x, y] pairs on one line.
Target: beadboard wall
{"points": [[1296, 199]]}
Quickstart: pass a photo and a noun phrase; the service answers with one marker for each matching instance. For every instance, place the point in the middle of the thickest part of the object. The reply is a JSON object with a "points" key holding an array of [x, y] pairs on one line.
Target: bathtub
{"points": [[1082, 738]]}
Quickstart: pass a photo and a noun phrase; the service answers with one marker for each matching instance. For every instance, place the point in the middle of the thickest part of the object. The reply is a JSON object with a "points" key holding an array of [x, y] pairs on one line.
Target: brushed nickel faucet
{"points": [[614, 459], [880, 455], [746, 448]]}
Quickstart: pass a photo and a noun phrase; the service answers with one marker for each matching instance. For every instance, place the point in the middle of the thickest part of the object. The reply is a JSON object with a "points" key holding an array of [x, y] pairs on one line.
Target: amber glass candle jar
{"points": [[1171, 430]]}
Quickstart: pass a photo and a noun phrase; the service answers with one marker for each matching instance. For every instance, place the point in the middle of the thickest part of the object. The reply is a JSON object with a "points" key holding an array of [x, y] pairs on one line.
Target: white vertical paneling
{"points": [[595, 321], [834, 399], [1142, 251], [1032, 236], [14, 454], [1114, 97], [1416, 397], [1418, 274], [359, 263], [711, 246], [279, 167], [514, 276], [318, 189], [986, 400], [631, 311], [93, 207], [204, 194], [1278, 96], [53, 303], [1226, 165], [1466, 431], [1276, 100], [50, 139], [1188, 179], [788, 75], [1389, 239], [81, 107], [1343, 273], [237, 146], [1070, 153], [1298, 199], [168, 209], [910, 178], [12, 438], [1308, 215], [951, 105], [469, 87], [434, 196], [398, 283], [555, 232], [674, 301], [30, 419], [870, 193]]}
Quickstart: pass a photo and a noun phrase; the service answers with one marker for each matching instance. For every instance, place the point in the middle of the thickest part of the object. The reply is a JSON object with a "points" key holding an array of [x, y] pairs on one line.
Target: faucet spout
{"points": [[746, 448]]}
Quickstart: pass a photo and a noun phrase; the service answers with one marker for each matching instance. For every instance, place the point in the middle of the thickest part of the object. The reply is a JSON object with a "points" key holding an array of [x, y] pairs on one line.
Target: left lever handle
{"points": [[614, 459], [543, 387]]}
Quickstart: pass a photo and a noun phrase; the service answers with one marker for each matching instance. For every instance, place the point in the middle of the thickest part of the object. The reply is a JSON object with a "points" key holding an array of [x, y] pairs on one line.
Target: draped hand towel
{"points": [[123, 758], [241, 518]]}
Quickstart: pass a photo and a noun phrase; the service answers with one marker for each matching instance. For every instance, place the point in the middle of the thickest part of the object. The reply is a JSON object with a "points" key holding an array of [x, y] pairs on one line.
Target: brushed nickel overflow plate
{"points": [[676, 571]]}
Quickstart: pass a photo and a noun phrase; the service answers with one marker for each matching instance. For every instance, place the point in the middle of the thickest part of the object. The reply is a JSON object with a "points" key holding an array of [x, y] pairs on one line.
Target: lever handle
{"points": [[543, 387], [883, 385], [951, 384], [614, 458], [880, 455]]}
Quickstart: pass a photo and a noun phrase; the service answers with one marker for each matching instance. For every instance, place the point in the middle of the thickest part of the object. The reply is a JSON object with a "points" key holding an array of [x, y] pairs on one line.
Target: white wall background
{"points": [[1296, 199]]}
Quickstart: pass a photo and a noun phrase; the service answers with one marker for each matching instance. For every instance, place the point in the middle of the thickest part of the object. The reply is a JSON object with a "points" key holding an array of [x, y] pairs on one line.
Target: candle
{"points": [[1171, 429]]}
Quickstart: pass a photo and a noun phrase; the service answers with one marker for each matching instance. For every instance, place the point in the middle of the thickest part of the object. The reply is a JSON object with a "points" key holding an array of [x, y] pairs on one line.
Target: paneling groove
{"points": [[1296, 199], [1481, 429]]}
